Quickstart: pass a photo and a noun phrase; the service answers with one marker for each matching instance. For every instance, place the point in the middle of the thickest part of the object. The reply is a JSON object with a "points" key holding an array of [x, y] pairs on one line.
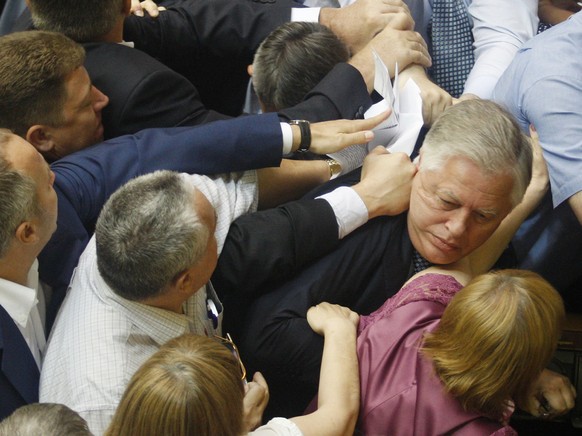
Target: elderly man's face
{"points": [[82, 113], [24, 158], [455, 209]]}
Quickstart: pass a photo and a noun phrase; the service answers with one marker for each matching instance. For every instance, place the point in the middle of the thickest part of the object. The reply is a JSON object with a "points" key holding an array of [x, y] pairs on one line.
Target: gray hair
{"points": [[47, 419], [485, 133], [147, 233], [18, 194], [81, 20], [292, 60], [33, 72]]}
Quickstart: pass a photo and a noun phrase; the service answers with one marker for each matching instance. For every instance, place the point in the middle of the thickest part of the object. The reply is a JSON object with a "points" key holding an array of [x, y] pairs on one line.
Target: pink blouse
{"points": [[400, 392]]}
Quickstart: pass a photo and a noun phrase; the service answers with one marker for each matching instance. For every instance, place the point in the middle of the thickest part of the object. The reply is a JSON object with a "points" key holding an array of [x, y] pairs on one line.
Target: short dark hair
{"points": [[292, 60], [81, 20], [33, 73]]}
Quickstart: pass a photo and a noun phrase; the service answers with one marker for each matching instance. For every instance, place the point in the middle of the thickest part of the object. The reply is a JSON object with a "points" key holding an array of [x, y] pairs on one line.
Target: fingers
{"points": [[324, 315], [260, 380], [149, 6]]}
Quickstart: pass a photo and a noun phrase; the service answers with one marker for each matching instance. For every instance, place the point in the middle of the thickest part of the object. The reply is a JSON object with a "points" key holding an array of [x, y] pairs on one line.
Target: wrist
{"points": [[335, 168], [301, 135]]}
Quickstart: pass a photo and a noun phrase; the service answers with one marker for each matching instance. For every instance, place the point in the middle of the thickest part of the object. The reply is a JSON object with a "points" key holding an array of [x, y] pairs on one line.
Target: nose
{"points": [[457, 223], [100, 100]]}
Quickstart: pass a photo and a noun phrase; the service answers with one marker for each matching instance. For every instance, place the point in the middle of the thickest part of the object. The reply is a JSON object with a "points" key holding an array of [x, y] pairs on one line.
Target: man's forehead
{"points": [[461, 177]]}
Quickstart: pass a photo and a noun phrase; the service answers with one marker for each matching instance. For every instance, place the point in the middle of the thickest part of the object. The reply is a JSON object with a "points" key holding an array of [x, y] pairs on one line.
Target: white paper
{"points": [[400, 131]]}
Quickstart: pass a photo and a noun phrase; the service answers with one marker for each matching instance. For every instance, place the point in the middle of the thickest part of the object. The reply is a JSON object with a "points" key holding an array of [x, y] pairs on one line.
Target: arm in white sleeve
{"points": [[350, 211], [305, 14], [500, 28]]}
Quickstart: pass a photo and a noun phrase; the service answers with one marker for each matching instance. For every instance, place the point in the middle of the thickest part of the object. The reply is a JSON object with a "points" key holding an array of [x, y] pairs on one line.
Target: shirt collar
{"points": [[159, 324], [19, 300]]}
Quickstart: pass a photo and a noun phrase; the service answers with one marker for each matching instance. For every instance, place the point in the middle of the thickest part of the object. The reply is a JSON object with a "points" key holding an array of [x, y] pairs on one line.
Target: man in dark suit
{"points": [[458, 198], [29, 215], [82, 182], [139, 96]]}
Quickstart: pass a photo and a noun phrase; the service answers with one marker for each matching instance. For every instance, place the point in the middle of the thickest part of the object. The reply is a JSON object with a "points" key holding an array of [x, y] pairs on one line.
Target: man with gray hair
{"points": [[28, 216], [144, 278], [473, 168], [45, 419]]}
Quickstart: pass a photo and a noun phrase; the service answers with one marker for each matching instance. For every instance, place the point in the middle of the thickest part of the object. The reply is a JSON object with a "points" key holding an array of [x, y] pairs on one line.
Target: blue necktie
{"points": [[420, 263], [452, 45]]}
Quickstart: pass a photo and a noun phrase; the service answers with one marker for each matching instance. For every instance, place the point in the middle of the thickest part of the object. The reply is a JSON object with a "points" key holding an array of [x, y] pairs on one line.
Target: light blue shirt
{"points": [[543, 87]]}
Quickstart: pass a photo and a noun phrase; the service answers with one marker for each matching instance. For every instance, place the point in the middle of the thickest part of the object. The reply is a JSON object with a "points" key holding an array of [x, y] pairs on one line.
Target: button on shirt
{"points": [[100, 339], [26, 306]]}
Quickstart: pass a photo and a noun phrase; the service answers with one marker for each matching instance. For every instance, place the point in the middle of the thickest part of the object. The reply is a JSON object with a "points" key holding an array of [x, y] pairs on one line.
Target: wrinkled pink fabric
{"points": [[400, 393]]}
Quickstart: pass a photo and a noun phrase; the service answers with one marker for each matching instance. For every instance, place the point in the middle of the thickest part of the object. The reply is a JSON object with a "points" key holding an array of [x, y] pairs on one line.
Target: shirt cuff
{"points": [[287, 138], [305, 14], [350, 211]]}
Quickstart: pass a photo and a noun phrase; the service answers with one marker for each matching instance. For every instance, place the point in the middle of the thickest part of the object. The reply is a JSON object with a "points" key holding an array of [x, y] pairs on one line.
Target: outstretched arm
{"points": [[339, 387]]}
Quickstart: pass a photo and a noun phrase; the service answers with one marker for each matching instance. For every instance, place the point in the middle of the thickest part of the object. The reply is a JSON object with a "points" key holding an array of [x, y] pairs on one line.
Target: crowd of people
{"points": [[180, 254]]}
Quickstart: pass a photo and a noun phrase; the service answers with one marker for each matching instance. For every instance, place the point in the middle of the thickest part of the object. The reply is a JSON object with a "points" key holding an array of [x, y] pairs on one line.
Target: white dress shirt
{"points": [[26, 307], [100, 339]]}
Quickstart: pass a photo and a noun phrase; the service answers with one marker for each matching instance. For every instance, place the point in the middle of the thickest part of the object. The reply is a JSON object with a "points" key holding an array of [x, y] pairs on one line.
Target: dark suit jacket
{"points": [[19, 374], [367, 267], [211, 43], [142, 91], [85, 180]]}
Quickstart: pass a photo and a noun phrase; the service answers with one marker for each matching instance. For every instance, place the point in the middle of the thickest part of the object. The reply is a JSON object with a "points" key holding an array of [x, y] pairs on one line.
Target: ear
{"points": [[184, 281], [250, 70], [41, 139], [26, 233]]}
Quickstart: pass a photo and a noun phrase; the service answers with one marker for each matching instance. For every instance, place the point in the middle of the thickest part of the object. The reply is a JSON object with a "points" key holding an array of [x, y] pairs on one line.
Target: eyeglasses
{"points": [[228, 343]]}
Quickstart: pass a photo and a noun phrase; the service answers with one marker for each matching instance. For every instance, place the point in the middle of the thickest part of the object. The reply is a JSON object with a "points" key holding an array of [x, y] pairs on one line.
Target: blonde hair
{"points": [[495, 338], [191, 386]]}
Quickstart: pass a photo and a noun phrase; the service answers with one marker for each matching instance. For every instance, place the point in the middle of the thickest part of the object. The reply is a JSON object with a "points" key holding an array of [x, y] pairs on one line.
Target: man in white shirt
{"points": [[28, 213], [144, 277]]}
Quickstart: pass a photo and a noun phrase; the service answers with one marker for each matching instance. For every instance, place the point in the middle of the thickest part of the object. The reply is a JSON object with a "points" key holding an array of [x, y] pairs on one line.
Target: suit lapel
{"points": [[18, 364]]}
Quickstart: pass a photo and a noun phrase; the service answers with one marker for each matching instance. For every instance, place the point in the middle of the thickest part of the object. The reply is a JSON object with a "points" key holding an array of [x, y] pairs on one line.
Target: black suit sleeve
{"points": [[341, 94], [273, 245], [211, 42]]}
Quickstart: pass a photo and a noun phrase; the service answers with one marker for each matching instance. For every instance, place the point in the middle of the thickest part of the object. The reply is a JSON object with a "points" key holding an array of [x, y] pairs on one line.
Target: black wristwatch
{"points": [[305, 130]]}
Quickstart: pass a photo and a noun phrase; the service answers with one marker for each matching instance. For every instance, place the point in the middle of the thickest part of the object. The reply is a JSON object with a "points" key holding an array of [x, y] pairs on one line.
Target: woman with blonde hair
{"points": [[194, 385], [453, 354]]}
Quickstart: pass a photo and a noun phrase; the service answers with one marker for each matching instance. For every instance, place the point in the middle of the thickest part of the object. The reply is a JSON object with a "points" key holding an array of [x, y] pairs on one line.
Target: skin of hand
{"points": [[539, 176], [402, 47], [386, 182], [359, 22], [331, 136], [325, 316], [255, 400], [558, 392], [435, 100], [138, 8]]}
